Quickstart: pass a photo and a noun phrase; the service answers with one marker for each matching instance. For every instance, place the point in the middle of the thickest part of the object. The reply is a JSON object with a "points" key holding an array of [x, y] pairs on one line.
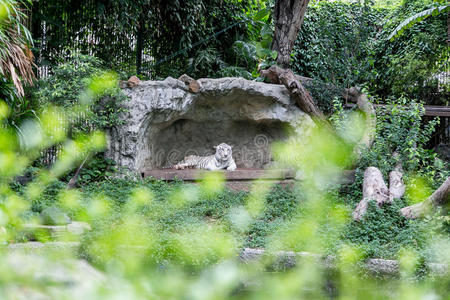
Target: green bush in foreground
{"points": [[382, 234], [151, 236]]}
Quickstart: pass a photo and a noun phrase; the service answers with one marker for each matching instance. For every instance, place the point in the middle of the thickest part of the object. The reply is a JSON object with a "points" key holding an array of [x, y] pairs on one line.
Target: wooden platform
{"points": [[238, 180], [241, 179], [239, 174], [430, 110]]}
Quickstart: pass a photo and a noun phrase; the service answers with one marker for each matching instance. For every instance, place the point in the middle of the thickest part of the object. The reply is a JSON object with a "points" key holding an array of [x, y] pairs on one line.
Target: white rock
{"points": [[166, 122]]}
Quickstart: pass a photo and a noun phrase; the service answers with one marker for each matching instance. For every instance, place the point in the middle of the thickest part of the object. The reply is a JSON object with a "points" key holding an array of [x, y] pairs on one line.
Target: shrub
{"points": [[335, 44], [384, 231], [77, 80], [408, 65], [400, 129]]}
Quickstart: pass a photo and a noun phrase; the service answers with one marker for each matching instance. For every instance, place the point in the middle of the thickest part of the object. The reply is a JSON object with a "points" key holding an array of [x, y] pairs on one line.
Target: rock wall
{"points": [[165, 122]]}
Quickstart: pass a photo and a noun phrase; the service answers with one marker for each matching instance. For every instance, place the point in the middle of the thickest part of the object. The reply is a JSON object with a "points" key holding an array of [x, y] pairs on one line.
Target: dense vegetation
{"points": [[383, 234], [177, 240], [162, 29], [346, 44]]}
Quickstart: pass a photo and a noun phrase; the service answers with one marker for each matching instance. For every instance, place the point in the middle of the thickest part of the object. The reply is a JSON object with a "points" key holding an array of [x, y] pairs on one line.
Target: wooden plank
{"points": [[430, 110], [347, 176], [239, 174]]}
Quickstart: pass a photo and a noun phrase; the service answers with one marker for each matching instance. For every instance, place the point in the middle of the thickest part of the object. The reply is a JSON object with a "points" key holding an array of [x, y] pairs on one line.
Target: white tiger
{"points": [[222, 159]]}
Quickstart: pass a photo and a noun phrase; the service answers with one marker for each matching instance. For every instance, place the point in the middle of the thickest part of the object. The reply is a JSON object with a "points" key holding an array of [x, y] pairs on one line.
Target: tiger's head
{"points": [[223, 152]]}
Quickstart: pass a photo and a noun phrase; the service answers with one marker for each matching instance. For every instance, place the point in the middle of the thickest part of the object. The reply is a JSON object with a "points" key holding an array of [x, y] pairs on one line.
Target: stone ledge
{"points": [[282, 259], [45, 248], [72, 229], [53, 277], [378, 266]]}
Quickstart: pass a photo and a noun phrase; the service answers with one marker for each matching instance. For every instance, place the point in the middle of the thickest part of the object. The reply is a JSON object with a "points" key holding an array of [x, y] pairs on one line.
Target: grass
{"points": [[177, 207], [281, 204]]}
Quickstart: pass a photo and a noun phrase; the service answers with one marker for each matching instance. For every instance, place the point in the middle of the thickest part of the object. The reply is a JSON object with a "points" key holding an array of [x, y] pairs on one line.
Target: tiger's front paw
{"points": [[231, 168]]}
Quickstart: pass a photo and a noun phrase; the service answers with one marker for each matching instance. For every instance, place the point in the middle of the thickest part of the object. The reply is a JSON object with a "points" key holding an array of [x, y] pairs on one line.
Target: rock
{"points": [[54, 216], [38, 248], [168, 120], [78, 227], [289, 259], [70, 231], [36, 277], [132, 82], [382, 266], [193, 84]]}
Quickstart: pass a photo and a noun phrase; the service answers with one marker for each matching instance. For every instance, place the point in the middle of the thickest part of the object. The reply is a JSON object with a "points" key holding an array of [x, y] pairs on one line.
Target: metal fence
{"points": [[49, 155]]}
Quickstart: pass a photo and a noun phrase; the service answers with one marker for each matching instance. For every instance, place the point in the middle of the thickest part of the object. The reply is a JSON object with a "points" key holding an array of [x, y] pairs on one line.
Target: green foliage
{"points": [[347, 44], [66, 28], [96, 169], [399, 129], [408, 23], [383, 232], [16, 59], [256, 53], [15, 62], [196, 20], [54, 216], [336, 41], [281, 204], [48, 197], [67, 85], [165, 28], [19, 108], [409, 65], [205, 62], [252, 56], [247, 57], [67, 82], [327, 97]]}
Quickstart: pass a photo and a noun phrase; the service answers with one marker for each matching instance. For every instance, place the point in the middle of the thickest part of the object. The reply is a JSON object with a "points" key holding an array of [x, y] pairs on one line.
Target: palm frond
{"points": [[16, 59], [408, 23]]}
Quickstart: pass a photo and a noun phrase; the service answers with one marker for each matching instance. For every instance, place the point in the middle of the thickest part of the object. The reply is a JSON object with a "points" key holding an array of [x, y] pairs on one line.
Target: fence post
{"points": [[139, 42]]}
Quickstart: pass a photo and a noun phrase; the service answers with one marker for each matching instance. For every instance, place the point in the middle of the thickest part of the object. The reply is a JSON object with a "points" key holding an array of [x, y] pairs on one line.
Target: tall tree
{"points": [[288, 17]]}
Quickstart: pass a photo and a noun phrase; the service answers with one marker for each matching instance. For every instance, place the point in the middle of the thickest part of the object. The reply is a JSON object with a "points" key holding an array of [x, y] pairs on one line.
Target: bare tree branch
{"points": [[440, 197], [303, 98]]}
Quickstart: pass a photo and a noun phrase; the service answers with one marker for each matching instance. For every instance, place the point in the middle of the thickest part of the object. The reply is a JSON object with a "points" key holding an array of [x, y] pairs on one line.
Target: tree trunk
{"points": [[288, 17], [139, 44], [440, 197], [73, 182], [374, 188], [354, 95], [294, 83], [448, 28], [303, 98], [396, 185]]}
